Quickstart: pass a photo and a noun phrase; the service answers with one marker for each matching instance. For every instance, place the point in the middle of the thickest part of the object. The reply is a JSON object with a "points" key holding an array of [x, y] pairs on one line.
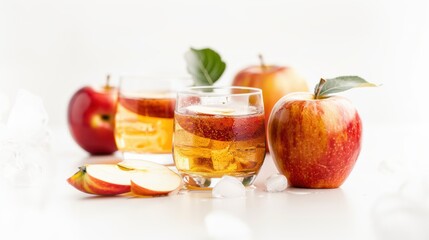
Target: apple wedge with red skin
{"points": [[145, 185], [101, 179], [113, 179]]}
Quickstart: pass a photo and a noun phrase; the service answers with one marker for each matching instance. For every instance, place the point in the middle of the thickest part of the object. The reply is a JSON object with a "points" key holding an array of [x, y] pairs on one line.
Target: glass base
{"points": [[199, 182], [164, 159]]}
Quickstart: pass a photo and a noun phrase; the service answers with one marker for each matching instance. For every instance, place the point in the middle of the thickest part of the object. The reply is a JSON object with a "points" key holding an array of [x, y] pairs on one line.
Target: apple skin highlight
{"points": [[314, 142]]}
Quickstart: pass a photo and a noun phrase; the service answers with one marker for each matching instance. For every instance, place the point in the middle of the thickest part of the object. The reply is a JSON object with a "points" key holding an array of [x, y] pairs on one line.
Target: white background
{"points": [[52, 48]]}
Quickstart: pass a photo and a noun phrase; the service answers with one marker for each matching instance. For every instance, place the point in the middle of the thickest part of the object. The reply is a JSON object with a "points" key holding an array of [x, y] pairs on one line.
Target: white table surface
{"points": [[379, 200]]}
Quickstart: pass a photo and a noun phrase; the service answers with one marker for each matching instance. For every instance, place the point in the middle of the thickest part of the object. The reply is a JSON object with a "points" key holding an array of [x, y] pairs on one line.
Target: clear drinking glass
{"points": [[144, 117], [218, 131]]}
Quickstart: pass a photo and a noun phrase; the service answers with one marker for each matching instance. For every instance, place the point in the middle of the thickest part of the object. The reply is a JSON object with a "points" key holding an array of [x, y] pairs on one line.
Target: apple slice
{"points": [[131, 164], [139, 177], [101, 179], [152, 106], [155, 183], [151, 179], [226, 125], [210, 110]]}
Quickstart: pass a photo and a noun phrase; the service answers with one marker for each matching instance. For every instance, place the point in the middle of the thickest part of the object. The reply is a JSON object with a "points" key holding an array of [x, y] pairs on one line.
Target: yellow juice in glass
{"points": [[213, 141], [144, 124]]}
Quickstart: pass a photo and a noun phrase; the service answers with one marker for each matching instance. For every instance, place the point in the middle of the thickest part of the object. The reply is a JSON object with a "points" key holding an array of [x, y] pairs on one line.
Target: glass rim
{"points": [[192, 91]]}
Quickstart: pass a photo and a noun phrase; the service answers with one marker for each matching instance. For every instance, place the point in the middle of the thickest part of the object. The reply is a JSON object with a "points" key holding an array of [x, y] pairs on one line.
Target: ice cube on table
{"points": [[3, 133], [397, 217], [276, 183], [4, 106], [23, 165], [28, 120], [25, 142], [229, 187], [224, 225]]}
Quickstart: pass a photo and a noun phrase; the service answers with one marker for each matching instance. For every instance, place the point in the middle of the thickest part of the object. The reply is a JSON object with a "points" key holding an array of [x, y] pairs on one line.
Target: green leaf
{"points": [[339, 84], [204, 65]]}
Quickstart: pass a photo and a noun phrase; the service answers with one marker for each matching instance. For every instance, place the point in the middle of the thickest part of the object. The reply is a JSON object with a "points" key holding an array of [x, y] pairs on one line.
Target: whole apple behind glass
{"points": [[90, 117], [315, 139], [275, 82]]}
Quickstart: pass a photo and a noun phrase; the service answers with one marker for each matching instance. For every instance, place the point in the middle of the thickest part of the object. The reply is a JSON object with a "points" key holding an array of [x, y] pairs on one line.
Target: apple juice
{"points": [[145, 124], [217, 142]]}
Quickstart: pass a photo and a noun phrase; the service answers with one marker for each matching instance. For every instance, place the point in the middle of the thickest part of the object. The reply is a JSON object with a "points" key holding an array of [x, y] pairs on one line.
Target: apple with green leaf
{"points": [[315, 139]]}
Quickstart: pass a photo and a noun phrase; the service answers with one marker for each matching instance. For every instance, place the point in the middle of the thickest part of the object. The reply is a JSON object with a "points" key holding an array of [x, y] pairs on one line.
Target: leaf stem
{"points": [[319, 88]]}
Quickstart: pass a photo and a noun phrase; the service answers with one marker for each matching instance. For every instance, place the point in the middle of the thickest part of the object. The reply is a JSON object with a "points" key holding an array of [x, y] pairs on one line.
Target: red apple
{"points": [[91, 114], [275, 82], [315, 139]]}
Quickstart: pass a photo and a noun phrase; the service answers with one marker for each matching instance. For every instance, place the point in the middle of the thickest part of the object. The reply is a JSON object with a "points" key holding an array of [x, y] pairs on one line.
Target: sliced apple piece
{"points": [[142, 165], [155, 183], [223, 127], [101, 179], [139, 177], [212, 110], [153, 106]]}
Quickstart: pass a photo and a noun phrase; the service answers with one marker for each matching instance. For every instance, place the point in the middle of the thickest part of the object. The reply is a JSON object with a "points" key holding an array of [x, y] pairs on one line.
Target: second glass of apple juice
{"points": [[144, 118], [218, 131]]}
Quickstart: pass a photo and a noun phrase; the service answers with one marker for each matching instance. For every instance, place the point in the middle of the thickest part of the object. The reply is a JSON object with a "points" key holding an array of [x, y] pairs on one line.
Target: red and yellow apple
{"points": [[141, 178], [91, 114], [314, 140], [275, 82]]}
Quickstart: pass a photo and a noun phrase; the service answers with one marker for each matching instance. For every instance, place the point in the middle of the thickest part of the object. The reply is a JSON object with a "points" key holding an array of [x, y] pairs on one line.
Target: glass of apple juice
{"points": [[144, 118], [218, 131]]}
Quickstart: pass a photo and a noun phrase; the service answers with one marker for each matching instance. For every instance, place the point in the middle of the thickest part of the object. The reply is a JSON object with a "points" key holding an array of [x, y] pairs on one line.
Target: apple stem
{"points": [[319, 88], [107, 81], [82, 168], [262, 62]]}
